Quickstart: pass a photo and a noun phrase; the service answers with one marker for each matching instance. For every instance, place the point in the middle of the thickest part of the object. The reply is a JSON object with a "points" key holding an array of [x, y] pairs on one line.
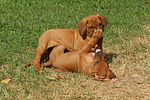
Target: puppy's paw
{"points": [[98, 33]]}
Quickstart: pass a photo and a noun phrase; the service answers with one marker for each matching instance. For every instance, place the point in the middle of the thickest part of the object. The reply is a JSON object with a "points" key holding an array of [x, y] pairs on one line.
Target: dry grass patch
{"points": [[146, 27], [131, 66]]}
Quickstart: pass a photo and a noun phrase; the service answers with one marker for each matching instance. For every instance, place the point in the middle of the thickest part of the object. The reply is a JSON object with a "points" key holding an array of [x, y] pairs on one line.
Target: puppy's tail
{"points": [[29, 64]]}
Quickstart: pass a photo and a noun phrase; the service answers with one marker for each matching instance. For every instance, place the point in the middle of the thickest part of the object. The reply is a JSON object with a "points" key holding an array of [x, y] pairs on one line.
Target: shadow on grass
{"points": [[110, 56]]}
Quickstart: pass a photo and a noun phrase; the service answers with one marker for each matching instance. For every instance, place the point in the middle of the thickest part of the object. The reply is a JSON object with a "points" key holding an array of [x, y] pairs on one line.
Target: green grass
{"points": [[127, 35]]}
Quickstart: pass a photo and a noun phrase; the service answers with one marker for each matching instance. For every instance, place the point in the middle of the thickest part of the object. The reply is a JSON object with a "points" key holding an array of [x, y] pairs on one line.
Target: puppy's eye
{"points": [[100, 24], [91, 27], [96, 63]]}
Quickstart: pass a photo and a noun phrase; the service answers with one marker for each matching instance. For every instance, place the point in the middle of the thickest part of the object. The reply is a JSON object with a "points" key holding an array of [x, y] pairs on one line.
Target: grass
{"points": [[127, 36]]}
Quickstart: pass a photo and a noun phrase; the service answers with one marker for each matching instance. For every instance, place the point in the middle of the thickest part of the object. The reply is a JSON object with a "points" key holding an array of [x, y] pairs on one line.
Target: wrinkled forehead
{"points": [[103, 65], [100, 65], [93, 20]]}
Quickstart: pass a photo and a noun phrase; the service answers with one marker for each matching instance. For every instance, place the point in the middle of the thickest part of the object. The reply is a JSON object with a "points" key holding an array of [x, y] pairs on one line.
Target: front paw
{"points": [[98, 33]]}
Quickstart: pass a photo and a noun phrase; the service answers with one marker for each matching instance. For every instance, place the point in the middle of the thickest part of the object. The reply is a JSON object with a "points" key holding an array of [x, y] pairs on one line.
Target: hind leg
{"points": [[37, 60], [41, 54], [53, 53]]}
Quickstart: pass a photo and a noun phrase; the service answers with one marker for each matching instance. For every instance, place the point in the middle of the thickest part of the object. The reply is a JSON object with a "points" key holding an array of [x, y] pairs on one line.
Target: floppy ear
{"points": [[110, 74], [82, 26], [104, 19]]}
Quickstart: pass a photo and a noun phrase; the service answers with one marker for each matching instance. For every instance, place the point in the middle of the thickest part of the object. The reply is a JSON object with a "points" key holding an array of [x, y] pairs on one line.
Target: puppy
{"points": [[71, 39], [91, 64]]}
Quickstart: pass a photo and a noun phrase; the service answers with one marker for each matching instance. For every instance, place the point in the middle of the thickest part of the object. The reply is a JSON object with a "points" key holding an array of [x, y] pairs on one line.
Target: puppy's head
{"points": [[87, 25], [100, 69]]}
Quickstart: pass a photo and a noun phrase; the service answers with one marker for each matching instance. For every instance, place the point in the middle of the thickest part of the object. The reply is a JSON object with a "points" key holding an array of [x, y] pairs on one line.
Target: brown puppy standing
{"points": [[72, 39], [82, 61]]}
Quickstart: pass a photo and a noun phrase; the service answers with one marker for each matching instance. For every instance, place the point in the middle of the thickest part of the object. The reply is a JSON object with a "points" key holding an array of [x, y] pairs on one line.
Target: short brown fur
{"points": [[72, 39], [82, 60]]}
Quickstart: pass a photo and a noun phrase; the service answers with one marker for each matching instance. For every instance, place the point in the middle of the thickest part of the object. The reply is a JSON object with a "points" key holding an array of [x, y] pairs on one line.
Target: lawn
{"points": [[127, 37]]}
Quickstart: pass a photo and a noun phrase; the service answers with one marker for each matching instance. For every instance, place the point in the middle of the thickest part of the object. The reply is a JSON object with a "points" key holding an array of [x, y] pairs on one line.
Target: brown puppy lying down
{"points": [[82, 61], [71, 39]]}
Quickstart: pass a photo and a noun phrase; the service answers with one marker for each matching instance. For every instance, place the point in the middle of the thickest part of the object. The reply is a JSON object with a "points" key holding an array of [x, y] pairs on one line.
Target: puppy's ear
{"points": [[110, 74], [104, 19], [82, 26]]}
